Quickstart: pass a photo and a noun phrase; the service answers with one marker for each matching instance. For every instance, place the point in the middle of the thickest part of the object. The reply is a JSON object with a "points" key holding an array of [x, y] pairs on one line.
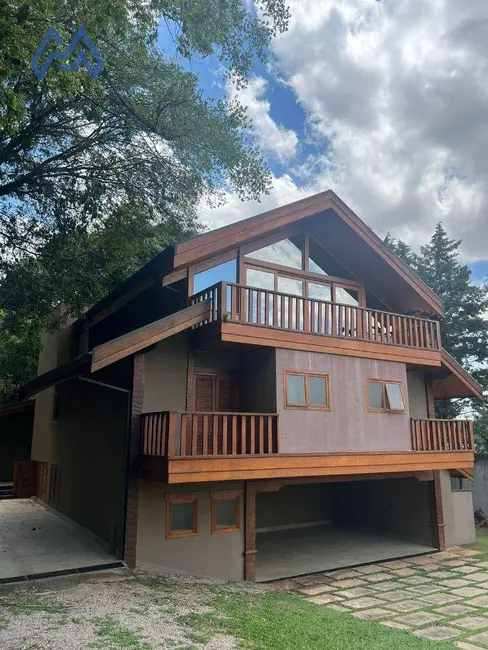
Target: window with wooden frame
{"points": [[385, 396], [306, 390], [225, 508], [181, 515]]}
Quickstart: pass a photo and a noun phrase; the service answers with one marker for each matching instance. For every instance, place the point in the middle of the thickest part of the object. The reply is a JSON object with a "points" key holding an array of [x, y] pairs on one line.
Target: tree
{"points": [[97, 175], [464, 327], [74, 148]]}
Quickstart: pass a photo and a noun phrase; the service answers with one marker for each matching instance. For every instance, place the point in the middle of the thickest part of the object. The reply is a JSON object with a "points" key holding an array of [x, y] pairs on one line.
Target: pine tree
{"points": [[464, 327]]}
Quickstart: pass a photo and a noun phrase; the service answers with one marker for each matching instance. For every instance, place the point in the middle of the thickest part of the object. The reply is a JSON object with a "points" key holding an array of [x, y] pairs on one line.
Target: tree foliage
{"points": [[464, 327], [98, 175]]}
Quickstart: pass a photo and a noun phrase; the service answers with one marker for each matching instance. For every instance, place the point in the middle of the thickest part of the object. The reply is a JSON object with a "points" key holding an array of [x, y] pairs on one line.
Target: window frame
{"points": [[375, 380], [307, 406], [225, 495], [181, 497]]}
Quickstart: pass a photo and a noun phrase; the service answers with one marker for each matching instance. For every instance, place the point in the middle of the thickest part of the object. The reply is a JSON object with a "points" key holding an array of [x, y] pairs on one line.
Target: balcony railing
{"points": [[262, 307], [177, 434], [442, 435]]}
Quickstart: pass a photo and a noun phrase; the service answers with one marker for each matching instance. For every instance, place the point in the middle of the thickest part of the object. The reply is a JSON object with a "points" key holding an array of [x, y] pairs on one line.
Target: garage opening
{"points": [[318, 527]]}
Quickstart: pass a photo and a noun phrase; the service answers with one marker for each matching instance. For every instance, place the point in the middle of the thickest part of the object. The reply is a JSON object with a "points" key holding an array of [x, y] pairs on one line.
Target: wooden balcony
{"points": [[286, 320], [188, 447], [442, 435]]}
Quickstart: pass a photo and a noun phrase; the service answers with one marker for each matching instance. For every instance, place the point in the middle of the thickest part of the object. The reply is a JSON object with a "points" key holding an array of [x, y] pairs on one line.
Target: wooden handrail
{"points": [[195, 434], [442, 435], [263, 307]]}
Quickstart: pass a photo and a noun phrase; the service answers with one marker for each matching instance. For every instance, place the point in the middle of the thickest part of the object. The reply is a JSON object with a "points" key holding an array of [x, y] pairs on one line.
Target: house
{"points": [[259, 402]]}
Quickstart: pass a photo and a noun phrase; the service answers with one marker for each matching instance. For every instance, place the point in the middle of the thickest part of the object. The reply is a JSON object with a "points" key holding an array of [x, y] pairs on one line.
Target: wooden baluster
{"points": [[382, 327], [328, 319], [162, 431], [438, 335], [422, 343], [275, 310], [224, 435], [234, 435], [144, 436], [184, 431], [471, 435], [159, 435], [261, 435], [151, 434], [171, 451], [194, 434], [445, 438], [302, 308], [250, 304], [266, 308], [425, 438], [243, 435], [413, 434], [290, 313], [205, 434], [259, 316], [347, 322], [416, 332], [270, 434], [215, 436], [233, 302], [253, 434], [320, 310]]}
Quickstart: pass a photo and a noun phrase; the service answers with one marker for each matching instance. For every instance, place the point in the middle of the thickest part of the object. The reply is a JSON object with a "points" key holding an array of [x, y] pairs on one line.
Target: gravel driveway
{"points": [[105, 610]]}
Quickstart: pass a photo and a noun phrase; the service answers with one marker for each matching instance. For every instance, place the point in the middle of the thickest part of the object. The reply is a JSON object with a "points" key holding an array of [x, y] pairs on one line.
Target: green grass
{"points": [[482, 544], [112, 635], [32, 604], [274, 621]]}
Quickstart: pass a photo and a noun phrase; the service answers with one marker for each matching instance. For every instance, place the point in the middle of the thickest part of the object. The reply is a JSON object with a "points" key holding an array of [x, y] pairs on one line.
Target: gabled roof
{"points": [[342, 228]]}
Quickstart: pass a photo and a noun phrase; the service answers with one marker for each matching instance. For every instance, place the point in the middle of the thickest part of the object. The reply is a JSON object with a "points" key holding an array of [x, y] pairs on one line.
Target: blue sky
{"points": [[383, 103]]}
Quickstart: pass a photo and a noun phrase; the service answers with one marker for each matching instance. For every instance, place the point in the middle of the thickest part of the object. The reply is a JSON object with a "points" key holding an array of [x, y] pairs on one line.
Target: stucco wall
{"points": [[417, 397], [90, 446], [458, 513], [219, 555], [396, 506], [348, 426], [293, 505], [166, 369], [480, 485]]}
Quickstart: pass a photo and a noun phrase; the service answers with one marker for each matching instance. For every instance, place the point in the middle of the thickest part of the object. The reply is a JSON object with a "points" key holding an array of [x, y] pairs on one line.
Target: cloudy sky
{"points": [[385, 102]]}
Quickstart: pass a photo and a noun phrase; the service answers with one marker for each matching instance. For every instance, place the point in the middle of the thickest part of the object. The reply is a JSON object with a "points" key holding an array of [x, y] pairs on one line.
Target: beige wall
{"points": [[458, 513], [293, 505], [166, 371], [90, 447], [348, 426], [417, 397], [396, 506], [219, 556]]}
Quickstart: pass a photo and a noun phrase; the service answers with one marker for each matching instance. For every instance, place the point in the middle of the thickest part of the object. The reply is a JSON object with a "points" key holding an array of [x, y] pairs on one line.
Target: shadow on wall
{"points": [[16, 423]]}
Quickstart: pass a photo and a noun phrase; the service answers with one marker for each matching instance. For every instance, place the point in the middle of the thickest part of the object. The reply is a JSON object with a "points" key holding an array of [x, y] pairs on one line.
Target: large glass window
{"points": [[260, 279], [290, 285], [284, 252], [226, 272], [347, 296], [385, 396]]}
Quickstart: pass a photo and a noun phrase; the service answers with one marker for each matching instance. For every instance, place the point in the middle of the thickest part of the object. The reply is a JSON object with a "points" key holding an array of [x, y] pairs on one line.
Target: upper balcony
{"points": [[185, 447], [244, 314]]}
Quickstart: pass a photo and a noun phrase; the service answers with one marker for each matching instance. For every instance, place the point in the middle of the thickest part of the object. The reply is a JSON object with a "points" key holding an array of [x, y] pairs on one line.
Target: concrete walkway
{"points": [[439, 596], [34, 540]]}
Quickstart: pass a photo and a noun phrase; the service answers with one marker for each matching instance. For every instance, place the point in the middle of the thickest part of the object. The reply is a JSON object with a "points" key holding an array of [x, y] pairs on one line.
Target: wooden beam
{"points": [[291, 340], [284, 466], [437, 513], [175, 276], [134, 444], [135, 341]]}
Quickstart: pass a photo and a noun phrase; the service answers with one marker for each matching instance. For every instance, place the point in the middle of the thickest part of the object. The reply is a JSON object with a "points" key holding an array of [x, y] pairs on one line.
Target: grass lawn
{"points": [[274, 621], [482, 543]]}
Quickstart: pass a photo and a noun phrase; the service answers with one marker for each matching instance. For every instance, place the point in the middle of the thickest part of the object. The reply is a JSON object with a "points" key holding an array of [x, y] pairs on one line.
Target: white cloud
{"points": [[273, 138], [396, 96]]}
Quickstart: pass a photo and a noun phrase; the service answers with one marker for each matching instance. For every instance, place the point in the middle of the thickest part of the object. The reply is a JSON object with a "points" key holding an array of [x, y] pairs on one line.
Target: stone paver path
{"points": [[441, 596]]}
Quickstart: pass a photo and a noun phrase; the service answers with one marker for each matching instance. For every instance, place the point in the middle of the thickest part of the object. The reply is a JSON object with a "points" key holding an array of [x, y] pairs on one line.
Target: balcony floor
{"points": [[287, 553]]}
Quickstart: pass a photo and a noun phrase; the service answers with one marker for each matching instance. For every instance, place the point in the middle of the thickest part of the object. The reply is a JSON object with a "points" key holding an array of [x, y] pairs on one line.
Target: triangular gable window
{"points": [[284, 253]]}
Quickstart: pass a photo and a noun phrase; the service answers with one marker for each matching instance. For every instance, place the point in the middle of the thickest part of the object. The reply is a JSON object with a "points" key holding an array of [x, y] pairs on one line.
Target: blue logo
{"points": [[81, 37]]}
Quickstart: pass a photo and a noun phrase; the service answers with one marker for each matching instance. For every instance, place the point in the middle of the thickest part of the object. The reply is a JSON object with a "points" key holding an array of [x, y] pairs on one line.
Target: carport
{"points": [[34, 541], [317, 527]]}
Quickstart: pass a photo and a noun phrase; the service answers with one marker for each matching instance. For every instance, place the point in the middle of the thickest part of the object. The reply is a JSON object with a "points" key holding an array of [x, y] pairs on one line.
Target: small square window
{"points": [[385, 396], [225, 512], [181, 515], [306, 390]]}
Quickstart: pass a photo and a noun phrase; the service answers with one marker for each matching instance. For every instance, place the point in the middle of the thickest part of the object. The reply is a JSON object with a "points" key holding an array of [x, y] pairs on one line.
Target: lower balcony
{"points": [[186, 447]]}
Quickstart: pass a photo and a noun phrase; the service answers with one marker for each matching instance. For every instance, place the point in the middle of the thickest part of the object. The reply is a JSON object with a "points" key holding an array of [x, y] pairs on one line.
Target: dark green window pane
{"points": [[225, 513], [182, 517], [375, 395], [318, 391], [295, 390]]}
